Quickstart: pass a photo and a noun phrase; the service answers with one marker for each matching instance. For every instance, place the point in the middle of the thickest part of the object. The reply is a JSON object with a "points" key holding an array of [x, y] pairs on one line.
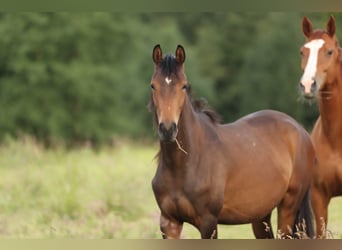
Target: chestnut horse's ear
{"points": [[180, 54], [157, 55], [331, 26], [306, 27]]}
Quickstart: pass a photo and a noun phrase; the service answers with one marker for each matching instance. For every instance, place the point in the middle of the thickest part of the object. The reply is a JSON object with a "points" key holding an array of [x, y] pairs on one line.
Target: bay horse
{"points": [[322, 79], [211, 173]]}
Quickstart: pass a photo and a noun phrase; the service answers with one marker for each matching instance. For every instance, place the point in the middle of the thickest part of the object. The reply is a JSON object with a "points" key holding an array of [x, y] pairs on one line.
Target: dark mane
{"points": [[169, 65], [200, 105]]}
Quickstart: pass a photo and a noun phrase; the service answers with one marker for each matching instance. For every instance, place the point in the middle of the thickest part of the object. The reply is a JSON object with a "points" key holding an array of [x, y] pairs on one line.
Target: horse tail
{"points": [[304, 223]]}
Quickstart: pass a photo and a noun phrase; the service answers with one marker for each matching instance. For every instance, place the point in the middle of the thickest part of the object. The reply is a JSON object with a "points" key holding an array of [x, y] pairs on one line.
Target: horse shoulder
{"points": [[185, 194]]}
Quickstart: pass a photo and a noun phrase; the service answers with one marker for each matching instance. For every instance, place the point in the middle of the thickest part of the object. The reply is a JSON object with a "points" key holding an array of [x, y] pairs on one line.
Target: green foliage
{"points": [[222, 42], [62, 76], [77, 78], [271, 71]]}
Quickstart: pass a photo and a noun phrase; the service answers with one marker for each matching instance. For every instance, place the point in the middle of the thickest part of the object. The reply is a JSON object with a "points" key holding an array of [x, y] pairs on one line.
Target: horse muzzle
{"points": [[168, 131], [309, 90]]}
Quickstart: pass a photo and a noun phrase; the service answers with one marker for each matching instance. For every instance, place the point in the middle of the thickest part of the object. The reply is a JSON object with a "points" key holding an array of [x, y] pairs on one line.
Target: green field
{"points": [[83, 193]]}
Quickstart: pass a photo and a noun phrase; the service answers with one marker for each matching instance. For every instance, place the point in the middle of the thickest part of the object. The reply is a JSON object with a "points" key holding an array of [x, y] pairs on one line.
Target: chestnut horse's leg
{"points": [[171, 229], [262, 229], [287, 211], [320, 202]]}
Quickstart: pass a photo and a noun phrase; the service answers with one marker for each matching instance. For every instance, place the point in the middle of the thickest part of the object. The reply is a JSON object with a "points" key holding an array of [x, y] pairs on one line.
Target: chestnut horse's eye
{"points": [[301, 53], [152, 86], [185, 86], [330, 52]]}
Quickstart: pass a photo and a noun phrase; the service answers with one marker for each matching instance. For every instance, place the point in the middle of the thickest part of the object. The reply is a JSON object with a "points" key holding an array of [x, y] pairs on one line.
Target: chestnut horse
{"points": [[322, 79], [209, 173]]}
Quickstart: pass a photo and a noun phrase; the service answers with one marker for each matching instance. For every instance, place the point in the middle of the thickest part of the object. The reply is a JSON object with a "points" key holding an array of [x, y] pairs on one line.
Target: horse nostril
{"points": [[162, 127], [168, 132], [313, 86], [301, 85]]}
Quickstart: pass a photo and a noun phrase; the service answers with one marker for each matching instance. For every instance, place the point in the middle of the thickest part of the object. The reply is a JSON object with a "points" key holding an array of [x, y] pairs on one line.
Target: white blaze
{"points": [[311, 66], [168, 80]]}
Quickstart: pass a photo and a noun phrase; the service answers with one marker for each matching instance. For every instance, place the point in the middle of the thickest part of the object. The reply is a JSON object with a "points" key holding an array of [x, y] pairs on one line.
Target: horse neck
{"points": [[330, 106], [174, 154]]}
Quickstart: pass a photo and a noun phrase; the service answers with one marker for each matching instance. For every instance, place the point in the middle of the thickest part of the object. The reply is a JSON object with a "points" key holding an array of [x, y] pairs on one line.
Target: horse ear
{"points": [[157, 55], [180, 54], [306, 27], [331, 26]]}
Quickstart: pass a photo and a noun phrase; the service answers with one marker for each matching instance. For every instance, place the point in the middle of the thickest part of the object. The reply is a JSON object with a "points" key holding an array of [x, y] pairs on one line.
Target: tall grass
{"points": [[79, 193], [82, 193]]}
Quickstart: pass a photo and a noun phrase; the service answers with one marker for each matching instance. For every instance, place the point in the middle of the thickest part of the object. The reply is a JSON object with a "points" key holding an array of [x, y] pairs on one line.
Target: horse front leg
{"points": [[208, 227], [170, 228], [320, 202], [262, 229]]}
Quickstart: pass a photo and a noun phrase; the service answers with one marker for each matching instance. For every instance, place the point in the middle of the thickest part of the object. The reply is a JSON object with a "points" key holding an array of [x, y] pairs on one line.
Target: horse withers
{"points": [[211, 173], [322, 79]]}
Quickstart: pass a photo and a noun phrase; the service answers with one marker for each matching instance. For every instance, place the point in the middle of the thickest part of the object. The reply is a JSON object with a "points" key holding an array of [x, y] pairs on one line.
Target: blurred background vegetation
{"points": [[84, 77]]}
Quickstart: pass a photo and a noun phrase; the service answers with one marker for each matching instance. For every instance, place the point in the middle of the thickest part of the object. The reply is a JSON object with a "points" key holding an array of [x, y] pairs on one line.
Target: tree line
{"points": [[79, 77]]}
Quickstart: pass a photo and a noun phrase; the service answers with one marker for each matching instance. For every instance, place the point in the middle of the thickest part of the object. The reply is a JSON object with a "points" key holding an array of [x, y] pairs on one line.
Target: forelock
{"points": [[169, 65]]}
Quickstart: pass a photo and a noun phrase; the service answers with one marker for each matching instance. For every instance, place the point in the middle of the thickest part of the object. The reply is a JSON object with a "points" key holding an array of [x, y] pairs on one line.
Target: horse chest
{"points": [[174, 199], [329, 171], [179, 206]]}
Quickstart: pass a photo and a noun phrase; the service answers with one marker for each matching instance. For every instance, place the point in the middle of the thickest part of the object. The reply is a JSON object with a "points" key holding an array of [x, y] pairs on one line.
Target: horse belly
{"points": [[248, 209], [248, 198]]}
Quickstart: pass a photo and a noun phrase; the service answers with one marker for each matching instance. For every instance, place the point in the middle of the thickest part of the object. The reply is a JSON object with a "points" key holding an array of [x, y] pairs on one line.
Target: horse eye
{"points": [[152, 86], [184, 87], [301, 53], [330, 52]]}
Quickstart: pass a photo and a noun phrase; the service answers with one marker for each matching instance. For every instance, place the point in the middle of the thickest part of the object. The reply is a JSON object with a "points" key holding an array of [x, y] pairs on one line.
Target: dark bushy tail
{"points": [[304, 224]]}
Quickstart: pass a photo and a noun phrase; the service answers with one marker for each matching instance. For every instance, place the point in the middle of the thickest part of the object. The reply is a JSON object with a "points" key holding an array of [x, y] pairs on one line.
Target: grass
{"points": [[86, 194], [76, 194]]}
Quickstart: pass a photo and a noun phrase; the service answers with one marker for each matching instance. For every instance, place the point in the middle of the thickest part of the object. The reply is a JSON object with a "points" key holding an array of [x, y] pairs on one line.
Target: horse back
{"points": [[285, 135]]}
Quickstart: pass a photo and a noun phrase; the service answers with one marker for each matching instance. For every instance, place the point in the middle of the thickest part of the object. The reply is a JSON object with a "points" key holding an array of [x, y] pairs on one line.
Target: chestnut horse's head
{"points": [[169, 90], [320, 57]]}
